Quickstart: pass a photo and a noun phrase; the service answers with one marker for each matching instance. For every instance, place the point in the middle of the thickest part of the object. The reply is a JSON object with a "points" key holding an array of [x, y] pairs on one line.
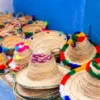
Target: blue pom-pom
{"points": [[27, 36], [6, 12], [68, 37], [5, 49], [74, 65], [0, 49], [66, 98], [16, 48], [77, 32], [29, 22], [19, 31]]}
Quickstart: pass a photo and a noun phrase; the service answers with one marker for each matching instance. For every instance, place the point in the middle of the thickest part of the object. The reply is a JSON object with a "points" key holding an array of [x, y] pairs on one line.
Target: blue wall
{"points": [[63, 15], [92, 19]]}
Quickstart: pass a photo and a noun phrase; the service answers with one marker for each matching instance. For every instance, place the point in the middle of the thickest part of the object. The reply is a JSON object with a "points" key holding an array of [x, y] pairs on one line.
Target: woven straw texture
{"points": [[10, 41], [48, 39], [41, 75], [82, 53], [33, 93]]}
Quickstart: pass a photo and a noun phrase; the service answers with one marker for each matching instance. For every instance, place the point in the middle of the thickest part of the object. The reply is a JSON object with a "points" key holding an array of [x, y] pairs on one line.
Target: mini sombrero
{"points": [[21, 56], [4, 17], [36, 94], [33, 28], [24, 19], [9, 42], [83, 85], [42, 72], [78, 50], [48, 39], [8, 30], [4, 61]]}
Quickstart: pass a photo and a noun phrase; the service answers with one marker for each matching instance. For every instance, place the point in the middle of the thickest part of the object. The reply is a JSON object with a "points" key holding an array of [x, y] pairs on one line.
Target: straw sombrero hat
{"points": [[9, 42], [33, 28], [5, 17], [53, 40], [83, 85], [36, 94], [78, 50], [21, 56], [8, 30], [4, 61], [42, 72], [22, 18]]}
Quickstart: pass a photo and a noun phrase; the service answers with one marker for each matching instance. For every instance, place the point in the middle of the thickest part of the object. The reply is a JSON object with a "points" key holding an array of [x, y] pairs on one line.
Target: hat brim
{"points": [[23, 80], [51, 39], [66, 60], [79, 85], [35, 94]]}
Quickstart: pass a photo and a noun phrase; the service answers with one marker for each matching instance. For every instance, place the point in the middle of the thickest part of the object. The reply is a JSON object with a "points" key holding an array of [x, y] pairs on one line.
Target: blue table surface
{"points": [[6, 93]]}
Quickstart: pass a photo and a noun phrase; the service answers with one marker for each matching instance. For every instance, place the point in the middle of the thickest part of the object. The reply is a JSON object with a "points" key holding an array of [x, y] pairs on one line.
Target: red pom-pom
{"points": [[2, 67], [66, 77], [10, 61], [88, 66], [97, 49], [16, 69], [80, 39], [62, 57], [97, 60]]}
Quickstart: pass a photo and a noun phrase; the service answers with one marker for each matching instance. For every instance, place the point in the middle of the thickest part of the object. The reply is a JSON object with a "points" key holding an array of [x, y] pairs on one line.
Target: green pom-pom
{"points": [[74, 38], [46, 23]]}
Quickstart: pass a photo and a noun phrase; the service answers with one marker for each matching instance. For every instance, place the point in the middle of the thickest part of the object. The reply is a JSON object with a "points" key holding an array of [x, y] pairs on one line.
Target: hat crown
{"points": [[22, 53], [42, 66], [83, 50]]}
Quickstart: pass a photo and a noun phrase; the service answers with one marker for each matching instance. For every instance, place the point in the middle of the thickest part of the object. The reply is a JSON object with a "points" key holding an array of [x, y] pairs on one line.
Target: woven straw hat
{"points": [[34, 28], [3, 62], [21, 56], [8, 30], [5, 17], [42, 71], [16, 23], [9, 42], [78, 50], [83, 85], [36, 94], [48, 39], [22, 18]]}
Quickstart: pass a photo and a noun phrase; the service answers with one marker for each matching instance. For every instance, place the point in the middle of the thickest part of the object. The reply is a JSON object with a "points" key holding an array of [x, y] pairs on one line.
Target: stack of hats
{"points": [[78, 50], [21, 56], [82, 85], [9, 42], [41, 78]]}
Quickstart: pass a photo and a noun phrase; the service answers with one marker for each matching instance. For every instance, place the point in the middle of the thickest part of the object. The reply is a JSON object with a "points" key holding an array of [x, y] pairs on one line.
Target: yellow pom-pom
{"points": [[98, 64], [17, 57], [69, 41], [6, 65], [81, 34], [26, 43], [83, 67], [1, 58]]}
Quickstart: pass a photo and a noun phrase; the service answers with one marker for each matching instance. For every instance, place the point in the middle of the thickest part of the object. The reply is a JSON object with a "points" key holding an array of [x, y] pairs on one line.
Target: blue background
{"points": [[65, 15]]}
